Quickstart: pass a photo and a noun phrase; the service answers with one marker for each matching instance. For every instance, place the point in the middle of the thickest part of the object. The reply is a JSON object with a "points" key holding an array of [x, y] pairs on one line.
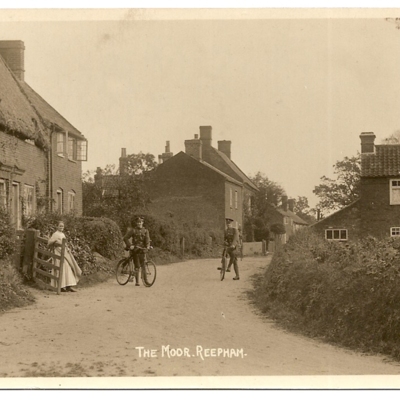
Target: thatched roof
{"points": [[48, 113], [17, 115]]}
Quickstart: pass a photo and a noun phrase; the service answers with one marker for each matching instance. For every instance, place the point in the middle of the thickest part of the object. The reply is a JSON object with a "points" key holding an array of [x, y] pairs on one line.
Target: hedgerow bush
{"points": [[347, 293], [166, 235], [12, 292], [7, 236], [84, 236]]}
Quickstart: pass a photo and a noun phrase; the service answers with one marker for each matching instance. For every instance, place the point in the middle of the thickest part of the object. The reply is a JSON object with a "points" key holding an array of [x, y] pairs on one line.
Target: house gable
{"points": [[348, 218], [28, 123]]}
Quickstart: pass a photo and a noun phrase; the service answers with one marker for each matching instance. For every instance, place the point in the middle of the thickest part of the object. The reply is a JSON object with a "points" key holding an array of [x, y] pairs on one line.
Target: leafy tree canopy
{"points": [[108, 193], [137, 164], [334, 194], [303, 210], [270, 192]]}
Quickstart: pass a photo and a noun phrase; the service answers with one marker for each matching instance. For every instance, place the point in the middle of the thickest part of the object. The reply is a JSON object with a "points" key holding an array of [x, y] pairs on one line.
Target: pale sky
{"points": [[293, 94]]}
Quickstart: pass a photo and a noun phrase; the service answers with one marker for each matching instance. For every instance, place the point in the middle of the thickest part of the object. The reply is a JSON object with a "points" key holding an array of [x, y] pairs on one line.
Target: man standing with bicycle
{"points": [[137, 241], [231, 242]]}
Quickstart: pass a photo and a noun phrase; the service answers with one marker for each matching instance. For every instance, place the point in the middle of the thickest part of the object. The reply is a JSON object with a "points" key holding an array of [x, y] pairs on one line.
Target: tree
{"points": [[394, 138], [334, 194], [118, 196], [138, 164], [269, 191], [256, 220], [303, 210]]}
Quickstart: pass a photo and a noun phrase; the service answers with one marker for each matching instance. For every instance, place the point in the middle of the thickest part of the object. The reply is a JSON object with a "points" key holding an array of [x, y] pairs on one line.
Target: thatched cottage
{"points": [[40, 151]]}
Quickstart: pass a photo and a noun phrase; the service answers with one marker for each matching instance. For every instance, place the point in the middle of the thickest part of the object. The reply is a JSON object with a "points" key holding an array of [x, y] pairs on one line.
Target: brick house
{"points": [[202, 183], [377, 211], [285, 216], [40, 151]]}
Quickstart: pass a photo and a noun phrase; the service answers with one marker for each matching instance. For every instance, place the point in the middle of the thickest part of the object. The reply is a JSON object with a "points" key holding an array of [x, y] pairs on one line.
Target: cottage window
{"points": [[236, 199], [15, 205], [394, 191], [71, 200], [77, 149], [29, 192], [59, 201], [60, 144], [3, 194], [81, 150], [336, 234], [71, 148], [395, 231], [230, 198]]}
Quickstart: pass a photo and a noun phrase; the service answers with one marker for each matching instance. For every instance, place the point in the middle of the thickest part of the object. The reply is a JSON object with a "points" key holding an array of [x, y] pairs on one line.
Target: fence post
{"points": [[19, 252], [35, 253], [29, 249], [61, 271]]}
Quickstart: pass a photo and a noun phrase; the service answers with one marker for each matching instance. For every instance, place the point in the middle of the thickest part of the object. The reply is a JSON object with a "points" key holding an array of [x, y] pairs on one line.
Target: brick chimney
{"points": [[291, 203], [194, 147], [123, 163], [167, 155], [224, 146], [206, 135], [98, 175], [367, 142], [12, 52], [284, 203]]}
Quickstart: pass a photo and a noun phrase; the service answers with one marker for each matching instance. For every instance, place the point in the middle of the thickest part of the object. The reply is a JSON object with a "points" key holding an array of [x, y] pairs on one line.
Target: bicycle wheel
{"points": [[149, 273], [223, 267], [123, 271]]}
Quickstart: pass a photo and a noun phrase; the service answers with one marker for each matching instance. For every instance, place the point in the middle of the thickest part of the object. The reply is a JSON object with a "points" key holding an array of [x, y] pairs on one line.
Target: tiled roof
{"points": [[223, 163], [323, 220], [384, 162], [292, 215], [226, 176]]}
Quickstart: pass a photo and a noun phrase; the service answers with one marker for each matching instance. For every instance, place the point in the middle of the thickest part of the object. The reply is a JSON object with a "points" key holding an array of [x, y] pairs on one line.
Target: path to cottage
{"points": [[189, 324]]}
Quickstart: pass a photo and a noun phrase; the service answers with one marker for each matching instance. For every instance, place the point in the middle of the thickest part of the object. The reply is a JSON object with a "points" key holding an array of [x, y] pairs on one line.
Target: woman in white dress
{"points": [[71, 271]]}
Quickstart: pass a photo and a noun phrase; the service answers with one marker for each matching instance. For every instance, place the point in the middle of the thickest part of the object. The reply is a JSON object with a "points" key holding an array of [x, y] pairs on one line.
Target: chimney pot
{"points": [[167, 155], [224, 146], [193, 147], [123, 163], [206, 135], [367, 142], [12, 52], [291, 203], [284, 203]]}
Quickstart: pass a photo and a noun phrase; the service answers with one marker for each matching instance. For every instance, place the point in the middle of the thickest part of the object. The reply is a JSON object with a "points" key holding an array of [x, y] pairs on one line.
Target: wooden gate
{"points": [[47, 264]]}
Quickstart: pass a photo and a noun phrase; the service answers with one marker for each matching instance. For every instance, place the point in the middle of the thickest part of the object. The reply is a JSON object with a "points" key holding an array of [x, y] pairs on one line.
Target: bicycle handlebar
{"points": [[139, 247]]}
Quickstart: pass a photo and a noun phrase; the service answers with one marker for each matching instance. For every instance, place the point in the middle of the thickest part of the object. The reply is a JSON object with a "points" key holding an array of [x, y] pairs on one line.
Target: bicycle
{"points": [[224, 263], [126, 269]]}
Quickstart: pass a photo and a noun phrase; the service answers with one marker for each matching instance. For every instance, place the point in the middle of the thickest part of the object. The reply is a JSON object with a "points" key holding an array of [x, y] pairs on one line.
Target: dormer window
{"points": [[394, 191]]}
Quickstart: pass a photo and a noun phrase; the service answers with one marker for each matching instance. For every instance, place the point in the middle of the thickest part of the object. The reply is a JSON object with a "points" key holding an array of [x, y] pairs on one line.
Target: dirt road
{"points": [[188, 324]]}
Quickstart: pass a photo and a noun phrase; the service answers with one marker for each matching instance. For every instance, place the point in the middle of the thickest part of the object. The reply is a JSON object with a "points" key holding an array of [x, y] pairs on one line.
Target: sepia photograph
{"points": [[199, 198]]}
